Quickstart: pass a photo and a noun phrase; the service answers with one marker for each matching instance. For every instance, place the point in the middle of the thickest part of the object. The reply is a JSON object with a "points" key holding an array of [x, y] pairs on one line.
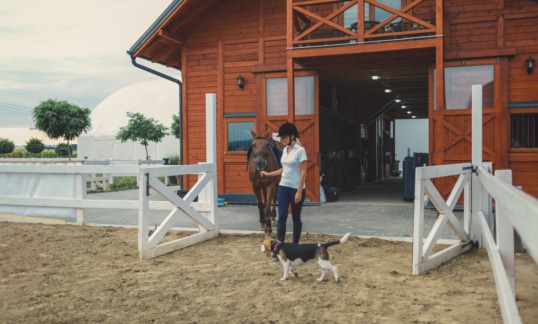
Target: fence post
{"points": [[209, 193], [505, 235], [476, 162], [80, 194], [143, 212]]}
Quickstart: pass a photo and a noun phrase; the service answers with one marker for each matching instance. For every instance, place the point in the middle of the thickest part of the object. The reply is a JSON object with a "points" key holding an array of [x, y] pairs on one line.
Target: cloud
{"points": [[69, 50]]}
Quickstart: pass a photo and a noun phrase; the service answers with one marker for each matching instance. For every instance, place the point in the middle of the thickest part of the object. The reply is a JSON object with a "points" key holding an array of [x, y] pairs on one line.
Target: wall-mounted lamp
{"points": [[240, 82], [530, 64]]}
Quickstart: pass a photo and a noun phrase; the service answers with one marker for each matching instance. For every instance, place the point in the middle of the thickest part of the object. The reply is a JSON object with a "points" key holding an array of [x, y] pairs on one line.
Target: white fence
{"points": [[202, 212], [514, 210]]}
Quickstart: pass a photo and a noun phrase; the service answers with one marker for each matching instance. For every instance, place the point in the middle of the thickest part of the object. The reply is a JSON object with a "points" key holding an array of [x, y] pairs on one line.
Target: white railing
{"points": [[514, 210], [423, 259], [202, 212], [49, 177]]}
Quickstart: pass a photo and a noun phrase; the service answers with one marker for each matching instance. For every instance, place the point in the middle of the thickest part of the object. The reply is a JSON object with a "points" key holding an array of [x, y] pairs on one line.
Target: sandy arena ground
{"points": [[71, 274]]}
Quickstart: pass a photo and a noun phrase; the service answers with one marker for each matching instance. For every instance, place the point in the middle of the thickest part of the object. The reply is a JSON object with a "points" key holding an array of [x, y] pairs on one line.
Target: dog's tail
{"points": [[340, 241]]}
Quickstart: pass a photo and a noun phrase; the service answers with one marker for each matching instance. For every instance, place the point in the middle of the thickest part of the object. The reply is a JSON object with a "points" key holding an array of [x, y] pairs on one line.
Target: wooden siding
{"points": [[249, 38], [504, 31], [244, 38]]}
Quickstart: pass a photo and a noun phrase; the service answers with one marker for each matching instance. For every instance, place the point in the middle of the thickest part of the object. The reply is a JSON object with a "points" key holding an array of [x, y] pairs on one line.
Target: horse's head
{"points": [[261, 146]]}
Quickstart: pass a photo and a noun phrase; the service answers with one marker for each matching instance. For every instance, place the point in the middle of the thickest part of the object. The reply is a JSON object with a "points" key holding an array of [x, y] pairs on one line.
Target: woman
{"points": [[291, 189]]}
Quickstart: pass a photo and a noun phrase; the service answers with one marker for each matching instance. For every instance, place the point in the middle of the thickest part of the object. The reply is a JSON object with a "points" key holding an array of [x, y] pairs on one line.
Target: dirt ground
{"points": [[72, 274]]}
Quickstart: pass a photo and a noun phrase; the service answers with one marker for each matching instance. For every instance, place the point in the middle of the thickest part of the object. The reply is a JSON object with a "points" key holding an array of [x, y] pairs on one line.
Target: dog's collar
{"points": [[275, 246]]}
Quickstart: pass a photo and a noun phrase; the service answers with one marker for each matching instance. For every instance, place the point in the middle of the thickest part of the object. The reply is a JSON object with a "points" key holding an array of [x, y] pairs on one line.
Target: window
{"points": [[524, 130], [239, 137], [277, 96], [459, 81]]}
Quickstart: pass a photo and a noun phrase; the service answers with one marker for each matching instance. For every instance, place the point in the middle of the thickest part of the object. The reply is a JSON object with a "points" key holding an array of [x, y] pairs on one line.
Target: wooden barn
{"points": [[344, 71]]}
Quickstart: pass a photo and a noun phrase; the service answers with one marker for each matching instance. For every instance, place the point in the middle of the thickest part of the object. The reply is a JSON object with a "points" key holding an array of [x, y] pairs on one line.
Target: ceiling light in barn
{"points": [[404, 106], [376, 77], [398, 100], [409, 112], [388, 90]]}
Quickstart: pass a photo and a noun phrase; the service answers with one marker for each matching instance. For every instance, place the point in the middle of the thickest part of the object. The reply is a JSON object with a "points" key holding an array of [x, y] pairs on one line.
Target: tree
{"points": [[174, 129], [61, 119], [6, 146], [34, 145], [140, 128]]}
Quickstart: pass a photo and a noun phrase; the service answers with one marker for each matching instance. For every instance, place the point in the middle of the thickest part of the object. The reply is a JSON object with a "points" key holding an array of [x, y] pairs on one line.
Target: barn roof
{"points": [[161, 42]]}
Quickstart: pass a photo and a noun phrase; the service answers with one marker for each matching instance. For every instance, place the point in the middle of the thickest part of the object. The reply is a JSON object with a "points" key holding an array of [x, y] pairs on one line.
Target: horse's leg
{"points": [[267, 211], [273, 210], [261, 207]]}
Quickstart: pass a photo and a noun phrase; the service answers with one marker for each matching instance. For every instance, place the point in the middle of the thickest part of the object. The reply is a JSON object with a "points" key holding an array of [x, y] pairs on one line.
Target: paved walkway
{"points": [[373, 210]]}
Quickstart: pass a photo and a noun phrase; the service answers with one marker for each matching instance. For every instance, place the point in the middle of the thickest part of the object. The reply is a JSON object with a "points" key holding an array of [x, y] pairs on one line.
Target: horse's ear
{"points": [[267, 133], [253, 133]]}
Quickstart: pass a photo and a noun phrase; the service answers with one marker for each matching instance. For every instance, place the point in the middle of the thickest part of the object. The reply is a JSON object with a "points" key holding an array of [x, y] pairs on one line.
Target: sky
{"points": [[69, 50]]}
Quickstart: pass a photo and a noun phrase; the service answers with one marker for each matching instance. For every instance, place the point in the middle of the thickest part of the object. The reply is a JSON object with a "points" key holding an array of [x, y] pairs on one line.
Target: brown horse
{"points": [[264, 155]]}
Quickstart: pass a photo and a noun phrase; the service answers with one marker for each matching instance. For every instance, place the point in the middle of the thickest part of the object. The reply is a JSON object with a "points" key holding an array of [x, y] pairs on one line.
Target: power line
{"points": [[14, 105]]}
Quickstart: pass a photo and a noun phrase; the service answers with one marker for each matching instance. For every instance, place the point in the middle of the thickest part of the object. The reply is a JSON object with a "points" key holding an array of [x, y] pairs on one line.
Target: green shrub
{"points": [[6, 146], [172, 180], [16, 154], [123, 183], [34, 145], [62, 150], [48, 154]]}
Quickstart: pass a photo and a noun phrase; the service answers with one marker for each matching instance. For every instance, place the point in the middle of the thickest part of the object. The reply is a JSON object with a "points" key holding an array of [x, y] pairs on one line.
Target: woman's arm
{"points": [[302, 179], [271, 174]]}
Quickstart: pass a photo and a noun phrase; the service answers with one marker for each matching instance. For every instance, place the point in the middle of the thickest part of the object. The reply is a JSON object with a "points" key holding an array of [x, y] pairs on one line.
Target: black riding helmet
{"points": [[287, 129]]}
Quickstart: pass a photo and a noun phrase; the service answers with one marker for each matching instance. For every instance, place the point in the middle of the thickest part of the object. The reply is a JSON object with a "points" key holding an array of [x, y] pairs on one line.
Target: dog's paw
{"points": [[283, 278]]}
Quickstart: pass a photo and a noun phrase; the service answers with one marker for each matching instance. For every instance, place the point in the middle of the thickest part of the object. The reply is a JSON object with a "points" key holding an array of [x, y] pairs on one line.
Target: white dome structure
{"points": [[158, 99]]}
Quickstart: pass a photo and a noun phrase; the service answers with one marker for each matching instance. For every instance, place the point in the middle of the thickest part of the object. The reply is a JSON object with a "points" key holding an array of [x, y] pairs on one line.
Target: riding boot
{"points": [[297, 228], [280, 232]]}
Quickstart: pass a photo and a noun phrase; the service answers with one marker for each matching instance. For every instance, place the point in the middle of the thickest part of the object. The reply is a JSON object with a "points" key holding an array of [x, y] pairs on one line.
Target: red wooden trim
{"points": [[219, 114], [365, 48], [169, 36], [508, 51]]}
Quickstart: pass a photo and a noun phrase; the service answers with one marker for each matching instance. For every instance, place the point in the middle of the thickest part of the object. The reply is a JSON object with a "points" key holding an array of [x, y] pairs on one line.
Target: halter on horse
{"points": [[264, 155]]}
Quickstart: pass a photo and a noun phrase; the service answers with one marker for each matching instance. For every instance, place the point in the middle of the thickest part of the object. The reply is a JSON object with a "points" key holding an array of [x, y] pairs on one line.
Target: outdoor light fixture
{"points": [[376, 77], [530, 64], [388, 90], [240, 82]]}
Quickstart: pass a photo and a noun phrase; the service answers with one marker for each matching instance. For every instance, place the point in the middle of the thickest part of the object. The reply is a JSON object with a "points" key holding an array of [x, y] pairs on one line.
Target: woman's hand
{"points": [[298, 196], [263, 173]]}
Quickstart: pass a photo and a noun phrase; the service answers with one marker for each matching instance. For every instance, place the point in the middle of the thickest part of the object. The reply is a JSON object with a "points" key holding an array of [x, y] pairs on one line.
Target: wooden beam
{"points": [[508, 51], [365, 48], [169, 36]]}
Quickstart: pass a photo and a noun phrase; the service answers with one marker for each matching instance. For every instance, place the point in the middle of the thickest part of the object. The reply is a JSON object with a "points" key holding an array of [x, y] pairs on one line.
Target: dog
{"points": [[292, 255]]}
